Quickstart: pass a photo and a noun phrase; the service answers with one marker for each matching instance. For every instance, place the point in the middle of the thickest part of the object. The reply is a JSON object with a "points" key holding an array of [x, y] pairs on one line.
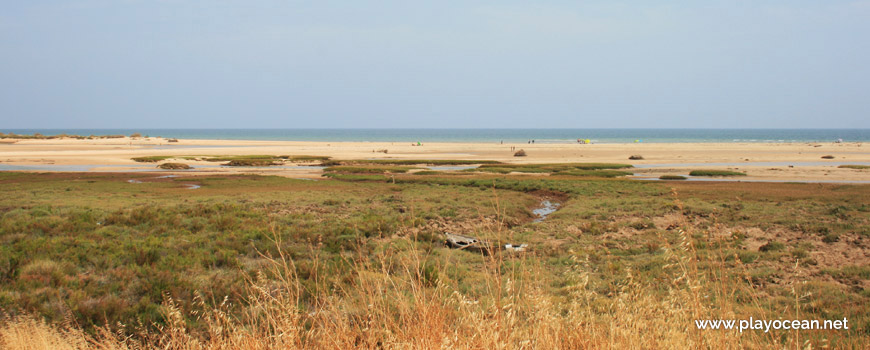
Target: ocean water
{"points": [[488, 135]]}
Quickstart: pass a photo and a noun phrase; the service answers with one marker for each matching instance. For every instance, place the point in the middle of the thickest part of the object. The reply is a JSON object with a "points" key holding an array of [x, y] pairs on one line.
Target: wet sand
{"points": [[761, 161]]}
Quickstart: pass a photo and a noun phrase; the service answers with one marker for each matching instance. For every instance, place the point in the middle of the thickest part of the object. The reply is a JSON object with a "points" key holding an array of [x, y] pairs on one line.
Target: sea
{"points": [[488, 135]]}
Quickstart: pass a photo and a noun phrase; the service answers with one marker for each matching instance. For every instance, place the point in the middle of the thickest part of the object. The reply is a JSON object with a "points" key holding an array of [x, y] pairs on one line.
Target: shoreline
{"points": [[761, 161]]}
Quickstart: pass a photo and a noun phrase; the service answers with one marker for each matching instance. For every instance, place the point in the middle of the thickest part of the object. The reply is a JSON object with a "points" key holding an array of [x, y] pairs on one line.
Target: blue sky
{"points": [[462, 64]]}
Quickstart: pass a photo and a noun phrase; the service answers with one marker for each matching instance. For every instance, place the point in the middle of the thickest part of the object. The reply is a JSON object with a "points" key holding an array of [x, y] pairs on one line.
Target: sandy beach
{"points": [[761, 161]]}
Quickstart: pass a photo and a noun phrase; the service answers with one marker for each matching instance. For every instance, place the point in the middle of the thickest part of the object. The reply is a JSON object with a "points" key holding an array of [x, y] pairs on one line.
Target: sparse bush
{"points": [[828, 157], [520, 153], [636, 157]]}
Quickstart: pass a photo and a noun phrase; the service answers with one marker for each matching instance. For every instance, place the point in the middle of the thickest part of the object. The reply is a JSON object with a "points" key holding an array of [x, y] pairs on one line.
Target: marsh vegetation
{"points": [[358, 261]]}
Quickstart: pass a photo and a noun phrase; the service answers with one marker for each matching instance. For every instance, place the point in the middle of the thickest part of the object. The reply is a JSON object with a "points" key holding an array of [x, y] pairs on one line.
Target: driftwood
{"points": [[476, 245]]}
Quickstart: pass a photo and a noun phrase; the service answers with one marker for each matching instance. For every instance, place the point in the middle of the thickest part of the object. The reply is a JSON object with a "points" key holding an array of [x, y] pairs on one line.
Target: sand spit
{"points": [[761, 161]]}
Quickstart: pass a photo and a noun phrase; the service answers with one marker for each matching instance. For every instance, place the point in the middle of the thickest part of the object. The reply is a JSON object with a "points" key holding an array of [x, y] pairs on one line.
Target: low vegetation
{"points": [[436, 162], [174, 166], [368, 170], [304, 159], [241, 160], [852, 166], [267, 158], [151, 159], [672, 177], [716, 173], [436, 172], [568, 169], [251, 162], [359, 262], [828, 157], [636, 157], [294, 159], [593, 173]]}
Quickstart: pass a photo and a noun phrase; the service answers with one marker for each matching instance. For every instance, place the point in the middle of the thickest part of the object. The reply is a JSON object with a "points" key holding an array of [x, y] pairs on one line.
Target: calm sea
{"points": [[488, 135]]}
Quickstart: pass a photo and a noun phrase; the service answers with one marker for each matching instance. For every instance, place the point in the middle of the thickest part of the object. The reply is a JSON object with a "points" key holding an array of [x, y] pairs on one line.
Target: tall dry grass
{"points": [[393, 301]]}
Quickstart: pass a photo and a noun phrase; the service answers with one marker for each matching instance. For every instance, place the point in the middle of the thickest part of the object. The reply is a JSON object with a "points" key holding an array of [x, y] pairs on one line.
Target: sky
{"points": [[434, 64]]}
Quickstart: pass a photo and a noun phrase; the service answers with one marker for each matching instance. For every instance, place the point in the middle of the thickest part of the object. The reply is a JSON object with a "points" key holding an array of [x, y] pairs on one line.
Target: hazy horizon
{"points": [[515, 135], [431, 128], [93, 64]]}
